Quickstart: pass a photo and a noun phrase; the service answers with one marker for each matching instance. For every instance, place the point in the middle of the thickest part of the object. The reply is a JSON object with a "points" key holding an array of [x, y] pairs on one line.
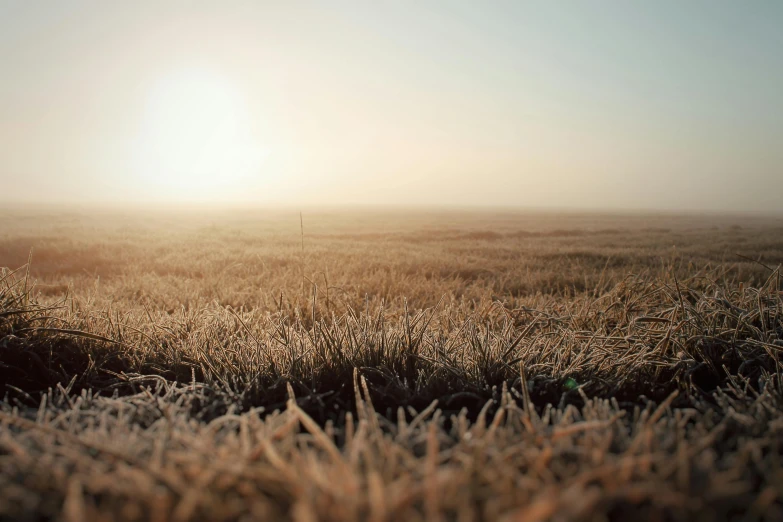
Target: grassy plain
{"points": [[216, 365]]}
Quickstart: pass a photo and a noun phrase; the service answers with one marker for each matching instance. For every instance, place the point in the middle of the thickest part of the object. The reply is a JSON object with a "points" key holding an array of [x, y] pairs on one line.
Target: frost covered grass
{"points": [[426, 367]]}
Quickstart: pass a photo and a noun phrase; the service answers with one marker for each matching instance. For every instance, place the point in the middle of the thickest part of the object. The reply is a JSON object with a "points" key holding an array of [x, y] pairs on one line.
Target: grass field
{"points": [[390, 365]]}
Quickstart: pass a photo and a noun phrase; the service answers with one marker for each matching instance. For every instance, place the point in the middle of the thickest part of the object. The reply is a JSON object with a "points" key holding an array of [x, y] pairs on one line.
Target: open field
{"points": [[214, 365]]}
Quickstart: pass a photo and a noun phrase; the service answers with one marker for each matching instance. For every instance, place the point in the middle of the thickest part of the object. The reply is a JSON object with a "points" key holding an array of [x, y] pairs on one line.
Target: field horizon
{"points": [[261, 207]]}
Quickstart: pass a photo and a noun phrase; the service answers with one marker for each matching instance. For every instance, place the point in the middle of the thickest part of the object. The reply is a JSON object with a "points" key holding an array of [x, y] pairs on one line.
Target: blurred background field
{"points": [[165, 259]]}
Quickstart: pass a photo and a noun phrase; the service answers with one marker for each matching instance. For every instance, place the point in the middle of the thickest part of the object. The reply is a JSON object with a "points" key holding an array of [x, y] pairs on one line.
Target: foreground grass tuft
{"points": [[445, 413]]}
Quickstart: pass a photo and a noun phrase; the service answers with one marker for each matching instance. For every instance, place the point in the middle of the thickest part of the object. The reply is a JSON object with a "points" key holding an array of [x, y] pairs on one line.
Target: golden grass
{"points": [[416, 366]]}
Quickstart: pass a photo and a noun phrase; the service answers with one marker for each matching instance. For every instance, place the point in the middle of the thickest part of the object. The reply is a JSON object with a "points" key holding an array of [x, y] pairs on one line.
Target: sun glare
{"points": [[196, 142]]}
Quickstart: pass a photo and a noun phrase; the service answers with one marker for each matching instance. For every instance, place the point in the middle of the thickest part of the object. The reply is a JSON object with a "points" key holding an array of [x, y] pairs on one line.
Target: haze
{"points": [[587, 105]]}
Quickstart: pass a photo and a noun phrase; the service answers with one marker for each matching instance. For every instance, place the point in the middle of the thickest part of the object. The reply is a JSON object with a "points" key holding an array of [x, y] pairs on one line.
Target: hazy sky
{"points": [[590, 104]]}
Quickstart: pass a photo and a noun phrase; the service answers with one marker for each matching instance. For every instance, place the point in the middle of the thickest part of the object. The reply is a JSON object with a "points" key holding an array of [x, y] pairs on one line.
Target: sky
{"points": [[664, 105]]}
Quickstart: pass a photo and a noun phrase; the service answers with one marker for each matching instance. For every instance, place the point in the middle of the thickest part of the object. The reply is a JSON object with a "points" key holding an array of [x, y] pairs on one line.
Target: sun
{"points": [[196, 140]]}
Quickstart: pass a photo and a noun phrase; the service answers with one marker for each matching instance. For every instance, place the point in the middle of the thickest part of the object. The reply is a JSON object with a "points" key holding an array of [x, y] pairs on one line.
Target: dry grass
{"points": [[440, 366]]}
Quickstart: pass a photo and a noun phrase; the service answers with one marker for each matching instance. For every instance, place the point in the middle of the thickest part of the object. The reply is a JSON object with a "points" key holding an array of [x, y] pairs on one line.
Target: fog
{"points": [[584, 105]]}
